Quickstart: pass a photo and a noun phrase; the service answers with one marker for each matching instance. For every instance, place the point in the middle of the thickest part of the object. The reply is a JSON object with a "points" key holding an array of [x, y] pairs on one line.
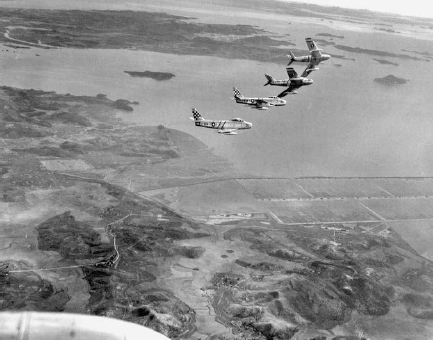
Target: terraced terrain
{"points": [[332, 253]]}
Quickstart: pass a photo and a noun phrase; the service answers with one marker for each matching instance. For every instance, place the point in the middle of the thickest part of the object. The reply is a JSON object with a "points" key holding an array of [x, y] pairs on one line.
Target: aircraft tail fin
{"points": [[196, 115], [269, 78], [291, 72], [291, 57], [237, 93], [312, 46]]}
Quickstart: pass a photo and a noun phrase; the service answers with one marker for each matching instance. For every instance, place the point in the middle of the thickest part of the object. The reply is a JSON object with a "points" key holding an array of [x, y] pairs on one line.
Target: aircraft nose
{"points": [[283, 101], [249, 125]]}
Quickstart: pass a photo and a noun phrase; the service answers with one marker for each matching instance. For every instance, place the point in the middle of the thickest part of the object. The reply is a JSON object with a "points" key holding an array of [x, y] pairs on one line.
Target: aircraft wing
{"points": [[58, 326], [310, 68], [261, 102], [228, 131], [312, 47], [290, 90]]}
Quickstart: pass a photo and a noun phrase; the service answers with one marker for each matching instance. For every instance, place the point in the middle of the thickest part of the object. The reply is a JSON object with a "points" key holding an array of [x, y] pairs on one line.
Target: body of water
{"points": [[345, 124]]}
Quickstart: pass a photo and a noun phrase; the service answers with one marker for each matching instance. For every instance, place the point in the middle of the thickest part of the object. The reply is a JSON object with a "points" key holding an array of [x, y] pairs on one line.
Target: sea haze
{"points": [[345, 124]]}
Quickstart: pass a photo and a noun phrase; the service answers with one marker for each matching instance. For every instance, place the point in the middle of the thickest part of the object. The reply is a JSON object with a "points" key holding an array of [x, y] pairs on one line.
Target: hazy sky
{"points": [[419, 8]]}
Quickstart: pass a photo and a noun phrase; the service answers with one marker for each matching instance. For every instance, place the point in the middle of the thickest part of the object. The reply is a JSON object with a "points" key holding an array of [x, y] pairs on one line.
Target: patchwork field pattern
{"points": [[274, 188], [403, 204], [320, 211], [406, 187], [344, 187], [311, 200], [402, 208], [314, 200]]}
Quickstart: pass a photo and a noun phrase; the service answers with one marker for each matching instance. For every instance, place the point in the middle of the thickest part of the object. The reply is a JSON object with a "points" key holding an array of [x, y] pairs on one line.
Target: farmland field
{"points": [[334, 200], [352, 187], [402, 208], [273, 188], [406, 187], [320, 211]]}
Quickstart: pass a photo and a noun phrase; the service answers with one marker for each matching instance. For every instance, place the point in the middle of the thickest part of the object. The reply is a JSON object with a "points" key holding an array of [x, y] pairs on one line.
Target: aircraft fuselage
{"points": [[311, 58], [268, 101], [284, 82], [301, 81], [293, 82], [223, 124]]}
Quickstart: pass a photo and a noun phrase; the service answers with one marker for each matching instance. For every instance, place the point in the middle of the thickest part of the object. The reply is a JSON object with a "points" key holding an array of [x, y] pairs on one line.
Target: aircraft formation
{"points": [[292, 84]]}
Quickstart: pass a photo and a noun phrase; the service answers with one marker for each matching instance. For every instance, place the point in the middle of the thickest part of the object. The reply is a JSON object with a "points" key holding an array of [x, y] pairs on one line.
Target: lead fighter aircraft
{"points": [[313, 59], [226, 127], [258, 103]]}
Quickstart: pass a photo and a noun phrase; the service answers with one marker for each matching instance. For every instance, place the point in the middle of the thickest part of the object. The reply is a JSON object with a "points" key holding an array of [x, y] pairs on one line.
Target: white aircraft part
{"points": [[59, 326]]}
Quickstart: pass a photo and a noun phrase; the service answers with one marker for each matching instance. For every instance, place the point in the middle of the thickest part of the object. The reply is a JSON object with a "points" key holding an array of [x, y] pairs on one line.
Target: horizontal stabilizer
{"points": [[269, 78]]}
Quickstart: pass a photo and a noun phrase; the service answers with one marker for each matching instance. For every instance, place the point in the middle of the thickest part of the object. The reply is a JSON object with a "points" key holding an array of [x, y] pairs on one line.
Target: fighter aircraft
{"points": [[226, 127], [258, 103], [313, 59], [294, 82], [273, 81]]}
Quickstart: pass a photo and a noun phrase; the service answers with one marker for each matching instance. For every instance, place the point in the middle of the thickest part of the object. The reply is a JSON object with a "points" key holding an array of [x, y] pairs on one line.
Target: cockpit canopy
{"points": [[237, 120]]}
